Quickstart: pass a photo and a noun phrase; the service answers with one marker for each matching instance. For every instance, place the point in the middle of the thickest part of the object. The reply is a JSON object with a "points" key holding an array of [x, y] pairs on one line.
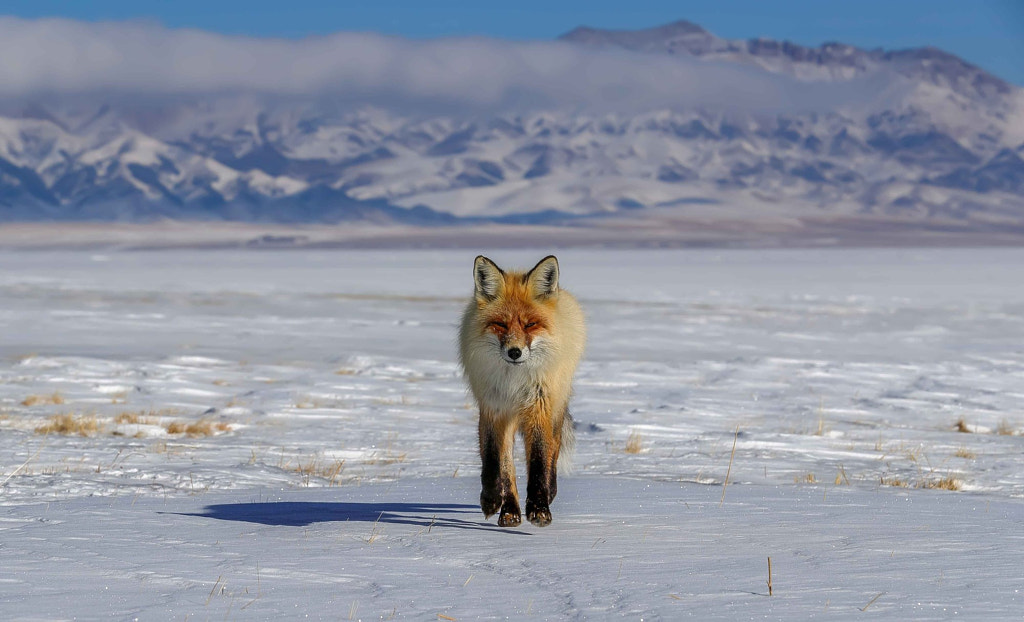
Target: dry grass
{"points": [[318, 468], [913, 454], [963, 452], [841, 478], [54, 399], [945, 483], [69, 424], [389, 456], [195, 429], [136, 418], [893, 481], [635, 443], [809, 478], [1002, 429], [822, 429]]}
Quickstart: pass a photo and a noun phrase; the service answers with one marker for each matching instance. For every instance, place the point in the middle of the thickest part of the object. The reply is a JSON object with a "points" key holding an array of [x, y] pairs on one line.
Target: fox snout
{"points": [[515, 353]]}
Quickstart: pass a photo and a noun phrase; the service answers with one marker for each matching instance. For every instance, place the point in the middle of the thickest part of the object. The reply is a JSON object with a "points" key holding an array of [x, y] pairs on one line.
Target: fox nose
{"points": [[514, 353]]}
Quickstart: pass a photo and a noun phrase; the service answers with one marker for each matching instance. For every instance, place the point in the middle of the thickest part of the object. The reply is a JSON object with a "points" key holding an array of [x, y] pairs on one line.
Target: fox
{"points": [[520, 341]]}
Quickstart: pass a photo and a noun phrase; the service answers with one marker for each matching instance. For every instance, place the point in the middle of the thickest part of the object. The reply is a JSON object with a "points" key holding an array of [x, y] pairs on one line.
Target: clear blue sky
{"points": [[988, 33]]}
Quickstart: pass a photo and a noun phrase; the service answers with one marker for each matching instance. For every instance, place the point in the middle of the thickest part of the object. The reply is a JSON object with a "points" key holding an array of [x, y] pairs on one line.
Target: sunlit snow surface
{"points": [[851, 383]]}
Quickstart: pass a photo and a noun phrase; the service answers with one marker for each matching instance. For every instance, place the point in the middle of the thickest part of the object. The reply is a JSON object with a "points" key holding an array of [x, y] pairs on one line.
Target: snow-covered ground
{"points": [[267, 435]]}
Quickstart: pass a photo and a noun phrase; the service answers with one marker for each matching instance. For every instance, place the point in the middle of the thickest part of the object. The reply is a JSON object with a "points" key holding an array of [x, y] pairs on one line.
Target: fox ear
{"points": [[543, 278], [487, 278]]}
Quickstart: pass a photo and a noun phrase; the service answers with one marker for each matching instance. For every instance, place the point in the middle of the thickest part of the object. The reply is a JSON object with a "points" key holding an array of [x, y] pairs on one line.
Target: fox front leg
{"points": [[498, 493], [541, 484]]}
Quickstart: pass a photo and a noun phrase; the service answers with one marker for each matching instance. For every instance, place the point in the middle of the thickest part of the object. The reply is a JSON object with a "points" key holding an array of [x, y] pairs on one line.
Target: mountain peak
{"points": [[829, 61], [653, 39], [676, 28]]}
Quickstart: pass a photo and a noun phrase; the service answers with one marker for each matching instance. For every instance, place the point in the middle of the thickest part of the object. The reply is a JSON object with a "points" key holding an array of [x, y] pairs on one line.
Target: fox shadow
{"points": [[304, 513]]}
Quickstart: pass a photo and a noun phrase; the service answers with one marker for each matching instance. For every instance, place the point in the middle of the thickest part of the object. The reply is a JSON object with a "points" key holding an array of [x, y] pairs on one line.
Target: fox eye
{"points": [[531, 324], [501, 325]]}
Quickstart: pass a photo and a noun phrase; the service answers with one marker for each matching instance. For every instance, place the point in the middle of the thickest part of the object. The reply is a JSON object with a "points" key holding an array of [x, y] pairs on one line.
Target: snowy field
{"points": [[274, 435]]}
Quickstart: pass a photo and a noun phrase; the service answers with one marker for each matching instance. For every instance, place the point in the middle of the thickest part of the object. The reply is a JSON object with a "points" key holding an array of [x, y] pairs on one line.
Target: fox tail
{"points": [[568, 449]]}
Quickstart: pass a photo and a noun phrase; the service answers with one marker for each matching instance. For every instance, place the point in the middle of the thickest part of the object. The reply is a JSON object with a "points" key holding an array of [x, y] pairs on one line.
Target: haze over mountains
{"points": [[662, 129]]}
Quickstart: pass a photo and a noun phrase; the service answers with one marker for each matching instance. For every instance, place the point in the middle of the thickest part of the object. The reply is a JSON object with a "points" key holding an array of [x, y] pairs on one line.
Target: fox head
{"points": [[515, 309]]}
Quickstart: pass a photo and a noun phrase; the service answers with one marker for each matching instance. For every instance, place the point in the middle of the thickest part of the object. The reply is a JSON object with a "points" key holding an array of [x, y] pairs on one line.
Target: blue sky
{"points": [[988, 33]]}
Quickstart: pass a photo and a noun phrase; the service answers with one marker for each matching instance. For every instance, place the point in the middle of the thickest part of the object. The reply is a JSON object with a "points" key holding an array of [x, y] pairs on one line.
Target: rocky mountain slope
{"points": [[938, 141]]}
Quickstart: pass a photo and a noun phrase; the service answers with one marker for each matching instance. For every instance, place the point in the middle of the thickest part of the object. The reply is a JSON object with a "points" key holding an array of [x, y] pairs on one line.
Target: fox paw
{"points": [[510, 516], [539, 516], [489, 504]]}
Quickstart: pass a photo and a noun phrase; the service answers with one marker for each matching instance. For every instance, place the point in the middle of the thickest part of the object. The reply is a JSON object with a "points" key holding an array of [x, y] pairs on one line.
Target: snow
{"points": [[732, 406]]}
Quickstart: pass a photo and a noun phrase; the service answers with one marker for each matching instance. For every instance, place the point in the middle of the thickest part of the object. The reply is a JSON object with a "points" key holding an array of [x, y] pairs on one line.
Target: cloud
{"points": [[64, 57]]}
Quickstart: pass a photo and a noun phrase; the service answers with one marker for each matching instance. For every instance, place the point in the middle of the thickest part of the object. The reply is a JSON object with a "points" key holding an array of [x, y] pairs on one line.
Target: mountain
{"points": [[831, 61], [938, 144]]}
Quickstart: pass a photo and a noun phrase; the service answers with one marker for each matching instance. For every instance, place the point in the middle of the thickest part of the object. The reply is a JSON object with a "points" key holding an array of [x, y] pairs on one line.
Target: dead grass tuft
{"points": [[635, 443], [136, 418], [316, 467], [963, 452], [54, 399], [195, 429], [69, 424], [389, 455], [945, 483], [961, 426], [893, 481], [841, 478], [1005, 429], [913, 454], [809, 478]]}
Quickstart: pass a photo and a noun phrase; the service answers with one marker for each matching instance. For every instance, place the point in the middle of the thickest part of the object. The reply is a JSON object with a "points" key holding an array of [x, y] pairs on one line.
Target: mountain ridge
{"points": [[946, 147]]}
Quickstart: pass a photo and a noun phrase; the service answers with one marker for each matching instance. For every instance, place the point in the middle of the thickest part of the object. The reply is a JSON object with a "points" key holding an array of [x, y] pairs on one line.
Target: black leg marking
{"points": [[538, 494], [490, 495]]}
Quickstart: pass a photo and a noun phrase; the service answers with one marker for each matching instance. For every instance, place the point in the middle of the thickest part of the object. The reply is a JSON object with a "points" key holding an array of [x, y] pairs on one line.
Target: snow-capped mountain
{"points": [[935, 140]]}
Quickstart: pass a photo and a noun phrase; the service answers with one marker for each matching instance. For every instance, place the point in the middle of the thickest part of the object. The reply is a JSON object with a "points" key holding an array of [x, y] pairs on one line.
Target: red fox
{"points": [[520, 342]]}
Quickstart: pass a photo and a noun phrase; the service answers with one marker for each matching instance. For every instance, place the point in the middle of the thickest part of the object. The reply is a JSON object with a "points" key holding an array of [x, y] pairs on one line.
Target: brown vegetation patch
{"points": [[68, 424], [54, 399], [963, 452], [635, 443], [945, 483], [136, 418], [894, 481], [195, 429], [316, 467]]}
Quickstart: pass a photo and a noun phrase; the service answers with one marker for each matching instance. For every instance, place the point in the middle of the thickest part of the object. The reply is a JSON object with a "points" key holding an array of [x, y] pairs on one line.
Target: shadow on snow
{"points": [[301, 514]]}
